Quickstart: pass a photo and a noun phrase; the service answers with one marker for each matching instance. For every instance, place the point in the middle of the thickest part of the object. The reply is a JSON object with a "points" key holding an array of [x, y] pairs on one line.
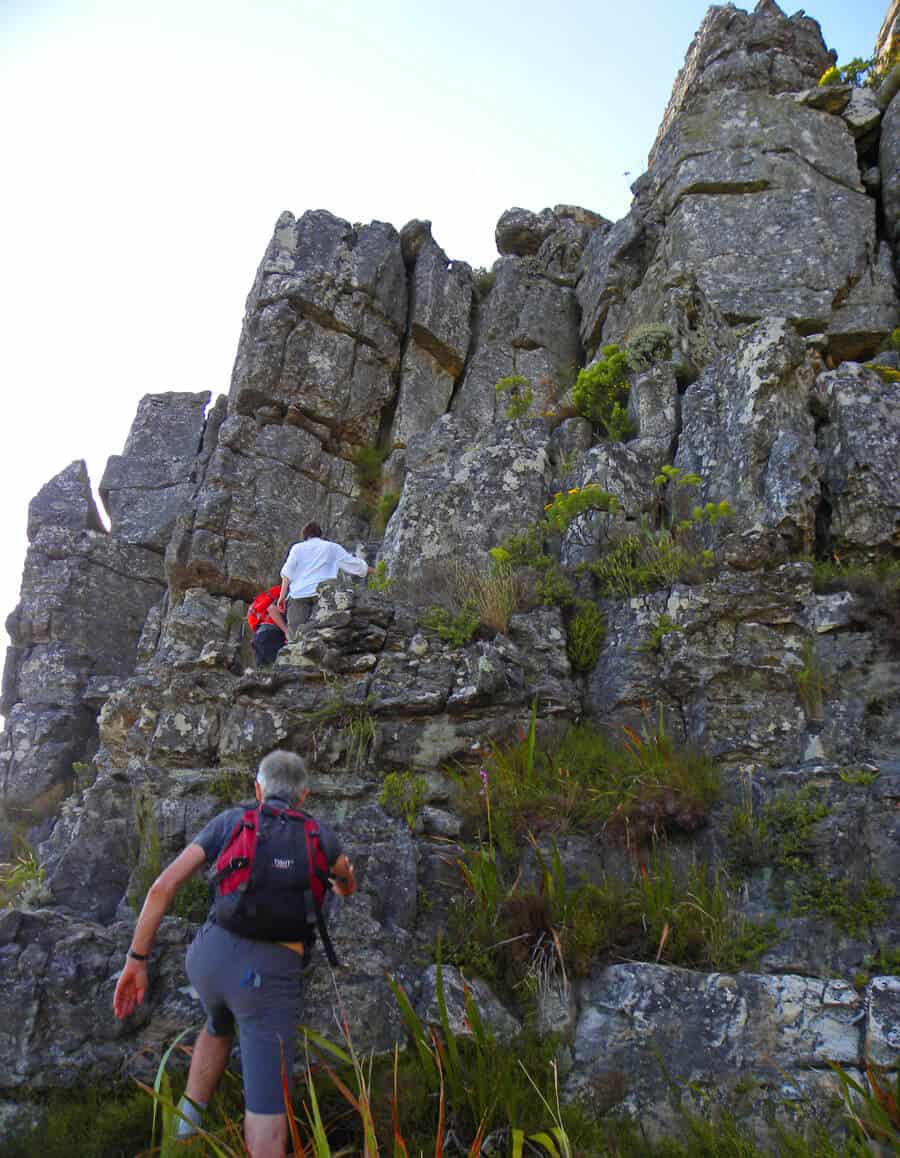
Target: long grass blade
{"points": [[160, 1073], [400, 1150], [414, 1026], [215, 1147], [299, 1148], [327, 1046], [439, 1137]]}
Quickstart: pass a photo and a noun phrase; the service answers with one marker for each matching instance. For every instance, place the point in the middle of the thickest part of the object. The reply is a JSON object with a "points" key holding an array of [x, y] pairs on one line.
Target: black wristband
{"points": [[137, 956]]}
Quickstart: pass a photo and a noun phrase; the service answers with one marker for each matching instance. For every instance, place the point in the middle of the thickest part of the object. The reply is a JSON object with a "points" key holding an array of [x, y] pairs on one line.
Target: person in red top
{"points": [[268, 626]]}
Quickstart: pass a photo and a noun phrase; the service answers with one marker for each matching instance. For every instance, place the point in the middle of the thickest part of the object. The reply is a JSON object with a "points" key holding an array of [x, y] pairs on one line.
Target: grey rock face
{"points": [[861, 471], [713, 1030], [65, 501], [889, 165], [528, 326], [460, 499], [261, 485], [726, 676], [750, 186], [763, 51], [50, 960], [438, 338], [324, 322], [747, 431], [144, 487]]}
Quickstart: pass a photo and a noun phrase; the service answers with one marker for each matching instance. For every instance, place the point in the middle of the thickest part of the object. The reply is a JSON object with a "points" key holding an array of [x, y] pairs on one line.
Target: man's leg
{"points": [[208, 1063], [266, 1135]]}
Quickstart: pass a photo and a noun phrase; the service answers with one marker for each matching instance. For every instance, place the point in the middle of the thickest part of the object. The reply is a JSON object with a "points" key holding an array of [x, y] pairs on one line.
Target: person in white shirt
{"points": [[310, 562]]}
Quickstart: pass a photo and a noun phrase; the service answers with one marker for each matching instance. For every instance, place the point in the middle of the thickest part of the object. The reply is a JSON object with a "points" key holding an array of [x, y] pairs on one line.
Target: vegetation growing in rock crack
{"points": [[600, 393], [404, 794], [516, 395], [781, 836], [648, 344]]}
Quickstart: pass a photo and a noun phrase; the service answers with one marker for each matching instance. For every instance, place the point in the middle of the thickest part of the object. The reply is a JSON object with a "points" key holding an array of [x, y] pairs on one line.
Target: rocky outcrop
{"points": [[368, 364], [145, 487], [84, 598]]}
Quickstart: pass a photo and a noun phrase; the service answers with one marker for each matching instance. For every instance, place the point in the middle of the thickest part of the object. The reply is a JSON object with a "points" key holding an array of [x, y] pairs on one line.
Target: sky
{"points": [[148, 149]]}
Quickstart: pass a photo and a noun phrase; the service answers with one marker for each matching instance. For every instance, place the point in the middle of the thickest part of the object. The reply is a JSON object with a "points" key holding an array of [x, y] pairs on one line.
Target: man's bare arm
{"points": [[131, 987]]}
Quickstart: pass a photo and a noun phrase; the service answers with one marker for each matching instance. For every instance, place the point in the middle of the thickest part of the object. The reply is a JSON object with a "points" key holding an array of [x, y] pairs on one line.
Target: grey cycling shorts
{"points": [[256, 985]]}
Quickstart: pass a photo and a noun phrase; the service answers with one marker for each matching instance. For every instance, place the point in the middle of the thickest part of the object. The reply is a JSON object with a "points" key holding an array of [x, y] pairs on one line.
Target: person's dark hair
{"points": [[282, 774], [312, 531]]}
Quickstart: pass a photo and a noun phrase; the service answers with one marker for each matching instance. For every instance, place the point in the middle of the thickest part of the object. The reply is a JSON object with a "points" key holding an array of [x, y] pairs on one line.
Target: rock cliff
{"points": [[761, 250]]}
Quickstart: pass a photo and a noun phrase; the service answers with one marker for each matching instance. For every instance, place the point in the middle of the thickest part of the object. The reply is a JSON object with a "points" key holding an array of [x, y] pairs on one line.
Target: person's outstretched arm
{"points": [[131, 987]]}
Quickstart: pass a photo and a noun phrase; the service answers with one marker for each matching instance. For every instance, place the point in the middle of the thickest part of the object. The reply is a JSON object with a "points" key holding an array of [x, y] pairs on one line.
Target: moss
{"points": [[854, 908], [404, 794], [92, 1123]]}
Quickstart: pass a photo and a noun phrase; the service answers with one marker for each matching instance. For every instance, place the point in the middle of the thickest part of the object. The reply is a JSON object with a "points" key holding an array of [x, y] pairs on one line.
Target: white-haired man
{"points": [[252, 983]]}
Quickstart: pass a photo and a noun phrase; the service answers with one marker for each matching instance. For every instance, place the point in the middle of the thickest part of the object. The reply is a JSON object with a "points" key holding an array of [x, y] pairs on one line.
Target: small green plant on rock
{"points": [[664, 626], [456, 628], [404, 794], [193, 900], [516, 392], [813, 682], [647, 345], [20, 878], [586, 630], [379, 580], [858, 72]]}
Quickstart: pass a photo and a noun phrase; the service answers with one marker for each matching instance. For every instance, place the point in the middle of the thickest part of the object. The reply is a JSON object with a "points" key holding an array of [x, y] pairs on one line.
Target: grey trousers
{"points": [[298, 611]]}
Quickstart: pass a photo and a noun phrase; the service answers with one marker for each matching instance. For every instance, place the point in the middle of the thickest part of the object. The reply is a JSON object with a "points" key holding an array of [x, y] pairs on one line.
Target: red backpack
{"points": [[271, 877], [259, 608]]}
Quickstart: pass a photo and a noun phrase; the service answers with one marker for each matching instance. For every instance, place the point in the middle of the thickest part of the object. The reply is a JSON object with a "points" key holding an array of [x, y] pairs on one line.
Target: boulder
{"points": [[65, 501]]}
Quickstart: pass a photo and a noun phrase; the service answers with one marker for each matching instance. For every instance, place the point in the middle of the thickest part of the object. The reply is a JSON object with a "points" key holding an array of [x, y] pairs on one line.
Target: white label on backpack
{"points": [[281, 862]]}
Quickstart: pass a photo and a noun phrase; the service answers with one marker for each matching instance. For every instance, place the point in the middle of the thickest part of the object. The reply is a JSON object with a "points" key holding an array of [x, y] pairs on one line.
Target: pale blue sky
{"points": [[148, 150]]}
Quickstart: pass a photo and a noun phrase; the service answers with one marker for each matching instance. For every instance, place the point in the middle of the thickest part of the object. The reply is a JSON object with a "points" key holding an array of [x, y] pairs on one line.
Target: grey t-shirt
{"points": [[213, 837]]}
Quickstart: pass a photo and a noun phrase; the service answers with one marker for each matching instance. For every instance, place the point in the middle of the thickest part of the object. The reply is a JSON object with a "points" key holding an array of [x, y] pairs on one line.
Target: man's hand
{"points": [[281, 604], [131, 988]]}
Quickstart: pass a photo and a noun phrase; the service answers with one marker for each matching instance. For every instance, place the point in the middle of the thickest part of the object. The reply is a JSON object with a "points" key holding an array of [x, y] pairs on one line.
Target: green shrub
{"points": [[404, 794], [193, 899], [647, 560], [586, 630], [516, 392], [647, 345], [90, 1123], [483, 282], [600, 393], [858, 72], [456, 628]]}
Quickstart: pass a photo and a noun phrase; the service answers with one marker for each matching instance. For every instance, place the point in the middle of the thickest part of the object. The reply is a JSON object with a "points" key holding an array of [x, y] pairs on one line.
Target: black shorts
{"points": [[268, 640], [256, 985]]}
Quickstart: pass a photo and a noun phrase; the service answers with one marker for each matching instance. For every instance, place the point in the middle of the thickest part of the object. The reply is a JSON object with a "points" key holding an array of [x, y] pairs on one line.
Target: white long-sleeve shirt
{"points": [[313, 561]]}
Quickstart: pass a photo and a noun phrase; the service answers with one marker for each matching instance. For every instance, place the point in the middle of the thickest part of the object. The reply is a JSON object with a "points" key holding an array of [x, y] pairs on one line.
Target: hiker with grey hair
{"points": [[271, 866], [312, 561]]}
